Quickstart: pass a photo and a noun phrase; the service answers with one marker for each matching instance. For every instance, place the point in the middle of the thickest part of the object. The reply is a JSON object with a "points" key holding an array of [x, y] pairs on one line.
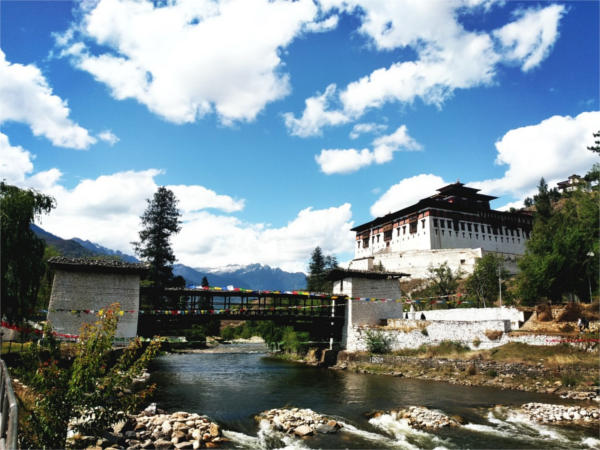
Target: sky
{"points": [[280, 125]]}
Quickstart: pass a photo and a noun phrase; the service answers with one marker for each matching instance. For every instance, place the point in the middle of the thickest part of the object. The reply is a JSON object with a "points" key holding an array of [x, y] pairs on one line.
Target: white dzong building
{"points": [[456, 226]]}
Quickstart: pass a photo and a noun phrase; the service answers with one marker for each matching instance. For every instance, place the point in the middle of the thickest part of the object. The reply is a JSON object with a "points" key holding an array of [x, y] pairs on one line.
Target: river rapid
{"points": [[233, 383]]}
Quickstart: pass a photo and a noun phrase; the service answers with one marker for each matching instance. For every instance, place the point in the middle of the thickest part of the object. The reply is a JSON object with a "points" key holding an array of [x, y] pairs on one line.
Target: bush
{"points": [[569, 379], [94, 386], [471, 370], [377, 342], [491, 373], [293, 341], [570, 313], [493, 335], [228, 333], [476, 342], [446, 348]]}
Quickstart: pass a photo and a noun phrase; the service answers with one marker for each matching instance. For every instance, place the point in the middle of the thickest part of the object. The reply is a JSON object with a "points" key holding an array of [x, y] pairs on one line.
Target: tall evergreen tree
{"points": [[318, 266], [596, 147], [21, 251], [205, 282], [160, 221]]}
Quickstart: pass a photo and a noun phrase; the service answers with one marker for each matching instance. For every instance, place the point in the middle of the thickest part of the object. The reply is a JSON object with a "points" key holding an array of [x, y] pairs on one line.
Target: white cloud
{"points": [[407, 192], [554, 149], [442, 46], [26, 97], [350, 160], [363, 128], [15, 162], [210, 240], [325, 25], [107, 210], [108, 137], [186, 58], [315, 115], [530, 38]]}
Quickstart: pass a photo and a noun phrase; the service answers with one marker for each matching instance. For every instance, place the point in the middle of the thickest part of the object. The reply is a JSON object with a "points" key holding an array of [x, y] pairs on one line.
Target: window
{"points": [[423, 223], [435, 223], [387, 235], [462, 226], [404, 229], [489, 230], [470, 235], [443, 223], [462, 261], [366, 243], [413, 227], [518, 234], [449, 224], [436, 232], [377, 238], [469, 227], [476, 228]]}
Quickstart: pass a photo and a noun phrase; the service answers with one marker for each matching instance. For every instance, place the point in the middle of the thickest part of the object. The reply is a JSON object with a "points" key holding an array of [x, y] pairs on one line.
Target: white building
{"points": [[456, 226]]}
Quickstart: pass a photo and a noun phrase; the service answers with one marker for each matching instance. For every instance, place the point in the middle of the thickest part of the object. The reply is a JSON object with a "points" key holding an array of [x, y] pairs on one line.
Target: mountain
{"points": [[67, 247], [253, 276], [99, 249]]}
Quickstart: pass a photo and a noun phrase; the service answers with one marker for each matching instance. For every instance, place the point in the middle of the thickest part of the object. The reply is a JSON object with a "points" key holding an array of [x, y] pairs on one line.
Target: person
{"points": [[580, 324], [422, 316]]}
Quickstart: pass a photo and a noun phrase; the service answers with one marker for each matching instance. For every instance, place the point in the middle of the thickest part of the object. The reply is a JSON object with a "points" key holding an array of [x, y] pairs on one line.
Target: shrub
{"points": [[569, 379], [476, 342], [377, 342], [94, 386], [293, 341], [228, 333], [491, 373], [493, 335], [471, 370], [566, 328]]}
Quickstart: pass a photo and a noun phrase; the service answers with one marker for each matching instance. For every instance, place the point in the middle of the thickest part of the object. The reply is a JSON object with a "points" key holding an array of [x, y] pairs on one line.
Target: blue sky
{"points": [[280, 125]]}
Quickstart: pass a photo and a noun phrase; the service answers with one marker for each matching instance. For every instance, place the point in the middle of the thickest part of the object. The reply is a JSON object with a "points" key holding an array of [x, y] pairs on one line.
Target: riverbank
{"points": [[566, 372]]}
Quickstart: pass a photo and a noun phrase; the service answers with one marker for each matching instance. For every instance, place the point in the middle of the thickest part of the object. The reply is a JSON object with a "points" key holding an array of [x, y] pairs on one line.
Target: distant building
{"points": [[456, 226], [571, 184]]}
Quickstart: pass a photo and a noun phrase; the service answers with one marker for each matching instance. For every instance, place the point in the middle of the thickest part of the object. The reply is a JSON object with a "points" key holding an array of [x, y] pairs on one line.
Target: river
{"points": [[234, 383]]}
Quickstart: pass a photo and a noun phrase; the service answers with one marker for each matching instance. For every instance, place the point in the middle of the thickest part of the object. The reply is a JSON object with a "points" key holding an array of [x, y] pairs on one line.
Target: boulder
{"points": [[303, 430]]}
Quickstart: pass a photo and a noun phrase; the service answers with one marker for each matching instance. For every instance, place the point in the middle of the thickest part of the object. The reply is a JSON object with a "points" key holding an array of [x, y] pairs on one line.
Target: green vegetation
{"points": [[483, 283], [92, 391], [318, 266], [562, 254], [275, 336], [570, 379], [22, 252], [160, 220], [377, 342]]}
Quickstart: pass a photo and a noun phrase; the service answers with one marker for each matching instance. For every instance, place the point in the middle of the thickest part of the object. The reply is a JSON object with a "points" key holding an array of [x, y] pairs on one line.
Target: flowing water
{"points": [[234, 385]]}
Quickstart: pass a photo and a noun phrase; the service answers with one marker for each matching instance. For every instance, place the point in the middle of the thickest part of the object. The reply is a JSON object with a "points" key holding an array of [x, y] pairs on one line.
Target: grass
{"points": [[444, 348], [554, 355]]}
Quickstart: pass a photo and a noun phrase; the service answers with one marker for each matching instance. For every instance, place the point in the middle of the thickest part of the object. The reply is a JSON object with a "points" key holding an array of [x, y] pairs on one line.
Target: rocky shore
{"points": [[561, 414], [300, 422], [422, 418], [474, 372], [153, 429]]}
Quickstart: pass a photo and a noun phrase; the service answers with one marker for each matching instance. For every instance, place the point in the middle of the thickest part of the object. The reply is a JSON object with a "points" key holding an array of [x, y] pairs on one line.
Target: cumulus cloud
{"points": [[107, 210], [315, 115], [350, 160], [109, 137], [530, 38], [186, 58], [407, 192], [554, 149], [363, 128], [442, 45], [26, 97]]}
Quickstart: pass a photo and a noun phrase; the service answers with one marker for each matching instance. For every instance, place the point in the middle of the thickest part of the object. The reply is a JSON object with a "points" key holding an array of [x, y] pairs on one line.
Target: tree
{"points": [[483, 282], [442, 280], [93, 386], [205, 282], [318, 267], [558, 259], [22, 252], [543, 206], [596, 147], [160, 221]]}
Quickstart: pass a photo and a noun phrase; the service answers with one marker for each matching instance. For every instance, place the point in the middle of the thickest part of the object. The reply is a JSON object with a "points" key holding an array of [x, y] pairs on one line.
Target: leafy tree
{"points": [[543, 206], [483, 282], [556, 260], [22, 252], [442, 281], [160, 221], [596, 147], [91, 388], [318, 267]]}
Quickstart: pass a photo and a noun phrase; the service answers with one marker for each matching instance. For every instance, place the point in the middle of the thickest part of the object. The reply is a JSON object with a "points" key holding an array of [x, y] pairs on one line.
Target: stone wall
{"points": [[414, 333], [515, 316], [73, 290]]}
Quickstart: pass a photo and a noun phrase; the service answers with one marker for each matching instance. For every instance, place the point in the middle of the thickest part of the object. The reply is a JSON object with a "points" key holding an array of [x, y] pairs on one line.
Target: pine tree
{"points": [[205, 282], [318, 267], [596, 147], [160, 221]]}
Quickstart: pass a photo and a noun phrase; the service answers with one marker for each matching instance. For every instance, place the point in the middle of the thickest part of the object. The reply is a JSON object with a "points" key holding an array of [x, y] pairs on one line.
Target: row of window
{"points": [[442, 223]]}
